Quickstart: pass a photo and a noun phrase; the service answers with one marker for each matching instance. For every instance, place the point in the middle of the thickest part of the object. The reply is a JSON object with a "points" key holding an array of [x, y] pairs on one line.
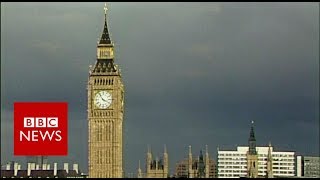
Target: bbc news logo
{"points": [[41, 128], [40, 122]]}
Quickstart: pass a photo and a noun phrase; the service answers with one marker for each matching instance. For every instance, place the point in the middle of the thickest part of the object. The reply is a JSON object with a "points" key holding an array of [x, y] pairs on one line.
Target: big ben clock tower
{"points": [[105, 112]]}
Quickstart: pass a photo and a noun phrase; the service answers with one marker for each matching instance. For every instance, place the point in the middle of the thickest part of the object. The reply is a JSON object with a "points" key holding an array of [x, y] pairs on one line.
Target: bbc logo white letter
{"points": [[41, 122], [28, 122], [52, 122]]}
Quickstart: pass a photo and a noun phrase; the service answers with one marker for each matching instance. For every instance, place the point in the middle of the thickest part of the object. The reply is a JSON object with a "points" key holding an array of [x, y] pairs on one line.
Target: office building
{"points": [[253, 162], [308, 166]]}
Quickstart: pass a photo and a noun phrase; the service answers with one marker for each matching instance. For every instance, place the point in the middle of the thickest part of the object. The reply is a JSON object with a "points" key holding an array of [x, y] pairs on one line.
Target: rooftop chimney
{"points": [[15, 168], [66, 167], [76, 168], [8, 166], [29, 169], [33, 166], [55, 167]]}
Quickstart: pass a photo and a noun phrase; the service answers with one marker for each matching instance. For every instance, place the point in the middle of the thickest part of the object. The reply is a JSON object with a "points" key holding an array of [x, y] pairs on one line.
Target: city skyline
{"points": [[195, 73]]}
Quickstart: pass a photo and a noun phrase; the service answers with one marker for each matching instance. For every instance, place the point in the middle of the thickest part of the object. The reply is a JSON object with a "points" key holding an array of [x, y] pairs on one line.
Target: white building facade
{"points": [[308, 166], [233, 164], [299, 166]]}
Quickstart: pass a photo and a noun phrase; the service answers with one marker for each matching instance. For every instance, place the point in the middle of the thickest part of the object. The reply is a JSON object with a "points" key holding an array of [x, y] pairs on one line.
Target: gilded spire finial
{"points": [[105, 9]]}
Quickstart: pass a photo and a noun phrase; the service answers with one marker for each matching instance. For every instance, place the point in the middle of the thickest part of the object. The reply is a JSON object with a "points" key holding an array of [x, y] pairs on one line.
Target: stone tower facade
{"points": [[157, 168], [200, 167], [105, 112], [139, 171], [252, 156], [269, 163], [207, 163]]}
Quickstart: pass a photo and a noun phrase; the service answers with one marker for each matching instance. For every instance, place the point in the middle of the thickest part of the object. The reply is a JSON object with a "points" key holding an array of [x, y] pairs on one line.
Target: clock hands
{"points": [[102, 98]]}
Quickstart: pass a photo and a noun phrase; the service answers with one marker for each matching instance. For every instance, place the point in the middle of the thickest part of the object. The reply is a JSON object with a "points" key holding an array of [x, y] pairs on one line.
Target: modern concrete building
{"points": [[308, 166], [253, 162], [105, 112], [311, 166], [233, 163]]}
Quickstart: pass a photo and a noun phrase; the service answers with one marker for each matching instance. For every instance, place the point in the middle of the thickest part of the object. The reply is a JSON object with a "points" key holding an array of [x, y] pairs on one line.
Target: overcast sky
{"points": [[194, 73]]}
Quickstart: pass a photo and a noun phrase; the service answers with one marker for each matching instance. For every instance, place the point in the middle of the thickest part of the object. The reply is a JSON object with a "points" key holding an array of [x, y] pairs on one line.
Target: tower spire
{"points": [[207, 149], [207, 163], [252, 137], [139, 171], [269, 163], [201, 166], [252, 140], [165, 161], [149, 149], [139, 165], [105, 38], [269, 152], [190, 175]]}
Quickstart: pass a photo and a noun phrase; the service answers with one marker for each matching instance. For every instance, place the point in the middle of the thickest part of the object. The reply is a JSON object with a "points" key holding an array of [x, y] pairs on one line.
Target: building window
{"points": [[99, 132]]}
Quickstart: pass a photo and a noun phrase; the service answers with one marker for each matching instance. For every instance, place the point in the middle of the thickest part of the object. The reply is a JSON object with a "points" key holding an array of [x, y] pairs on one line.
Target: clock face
{"points": [[103, 99]]}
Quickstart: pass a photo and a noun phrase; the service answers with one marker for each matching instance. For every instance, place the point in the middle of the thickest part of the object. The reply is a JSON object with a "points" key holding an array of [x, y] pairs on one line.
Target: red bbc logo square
{"points": [[40, 128]]}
